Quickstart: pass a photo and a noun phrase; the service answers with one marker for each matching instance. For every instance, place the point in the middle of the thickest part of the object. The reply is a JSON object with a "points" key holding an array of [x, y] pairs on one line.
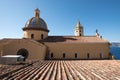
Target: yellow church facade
{"points": [[37, 44]]}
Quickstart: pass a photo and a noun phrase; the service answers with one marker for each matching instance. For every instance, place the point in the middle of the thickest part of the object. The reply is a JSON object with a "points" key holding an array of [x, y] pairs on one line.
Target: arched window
{"points": [[23, 52], [88, 55], [75, 55], [51, 55], [32, 36], [64, 55], [42, 36], [80, 34]]}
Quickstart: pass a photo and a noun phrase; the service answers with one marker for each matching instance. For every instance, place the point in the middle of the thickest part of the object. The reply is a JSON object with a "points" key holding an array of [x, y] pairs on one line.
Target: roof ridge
{"points": [[36, 42]]}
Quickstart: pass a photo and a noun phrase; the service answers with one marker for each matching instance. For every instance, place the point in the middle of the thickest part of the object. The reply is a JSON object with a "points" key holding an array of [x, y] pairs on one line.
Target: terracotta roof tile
{"points": [[73, 39], [64, 70]]}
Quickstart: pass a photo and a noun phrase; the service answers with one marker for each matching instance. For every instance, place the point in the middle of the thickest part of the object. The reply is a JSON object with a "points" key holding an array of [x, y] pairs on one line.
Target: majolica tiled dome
{"points": [[36, 23]]}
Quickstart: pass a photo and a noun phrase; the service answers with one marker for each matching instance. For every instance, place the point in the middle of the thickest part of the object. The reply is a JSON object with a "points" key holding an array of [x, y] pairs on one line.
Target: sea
{"points": [[115, 51]]}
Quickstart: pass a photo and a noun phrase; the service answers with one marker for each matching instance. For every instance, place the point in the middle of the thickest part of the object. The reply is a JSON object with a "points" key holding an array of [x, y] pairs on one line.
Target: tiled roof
{"points": [[66, 70], [8, 40], [5, 41], [64, 39], [74, 39]]}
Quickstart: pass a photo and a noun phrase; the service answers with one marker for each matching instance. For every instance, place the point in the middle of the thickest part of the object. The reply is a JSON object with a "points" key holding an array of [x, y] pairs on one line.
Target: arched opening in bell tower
{"points": [[32, 36]]}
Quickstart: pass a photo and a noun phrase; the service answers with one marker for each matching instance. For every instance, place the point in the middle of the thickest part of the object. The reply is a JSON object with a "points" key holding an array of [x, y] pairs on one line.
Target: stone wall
{"points": [[83, 50]]}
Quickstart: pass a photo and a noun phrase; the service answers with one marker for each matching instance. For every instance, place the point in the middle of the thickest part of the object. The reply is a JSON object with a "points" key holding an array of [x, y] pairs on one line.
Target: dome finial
{"points": [[37, 13], [78, 24]]}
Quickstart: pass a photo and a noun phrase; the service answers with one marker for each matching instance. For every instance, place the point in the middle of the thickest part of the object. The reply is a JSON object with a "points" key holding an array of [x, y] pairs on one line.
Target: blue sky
{"points": [[61, 16]]}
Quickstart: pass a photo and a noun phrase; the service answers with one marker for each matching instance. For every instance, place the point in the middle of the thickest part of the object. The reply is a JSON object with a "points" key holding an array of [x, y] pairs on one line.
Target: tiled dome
{"points": [[36, 23]]}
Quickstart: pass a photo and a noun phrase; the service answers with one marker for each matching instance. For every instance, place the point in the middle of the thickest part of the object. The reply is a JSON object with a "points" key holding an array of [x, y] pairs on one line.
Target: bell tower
{"points": [[78, 29]]}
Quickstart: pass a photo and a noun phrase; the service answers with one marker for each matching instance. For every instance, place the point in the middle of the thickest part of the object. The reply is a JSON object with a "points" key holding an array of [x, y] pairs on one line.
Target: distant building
{"points": [[36, 43]]}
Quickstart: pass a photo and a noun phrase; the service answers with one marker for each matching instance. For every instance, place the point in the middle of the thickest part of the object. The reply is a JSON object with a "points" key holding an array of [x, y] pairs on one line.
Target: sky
{"points": [[62, 16]]}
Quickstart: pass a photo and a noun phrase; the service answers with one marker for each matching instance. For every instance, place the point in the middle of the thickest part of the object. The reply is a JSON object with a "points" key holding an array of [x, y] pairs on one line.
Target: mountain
{"points": [[115, 44], [115, 50]]}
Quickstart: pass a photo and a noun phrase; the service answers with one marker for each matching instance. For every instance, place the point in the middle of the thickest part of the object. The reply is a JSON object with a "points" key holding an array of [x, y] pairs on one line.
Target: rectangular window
{"points": [[64, 55], [88, 55], [51, 55], [75, 55], [32, 36], [101, 55]]}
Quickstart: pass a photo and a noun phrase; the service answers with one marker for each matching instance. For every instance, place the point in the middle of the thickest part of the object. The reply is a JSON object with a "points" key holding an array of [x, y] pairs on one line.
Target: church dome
{"points": [[36, 23]]}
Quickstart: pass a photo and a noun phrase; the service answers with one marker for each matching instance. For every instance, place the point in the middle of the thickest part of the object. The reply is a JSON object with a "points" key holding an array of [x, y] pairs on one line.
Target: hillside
{"points": [[115, 44]]}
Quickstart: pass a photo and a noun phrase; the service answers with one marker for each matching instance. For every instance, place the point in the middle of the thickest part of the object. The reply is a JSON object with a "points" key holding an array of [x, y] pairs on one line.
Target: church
{"points": [[37, 44]]}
